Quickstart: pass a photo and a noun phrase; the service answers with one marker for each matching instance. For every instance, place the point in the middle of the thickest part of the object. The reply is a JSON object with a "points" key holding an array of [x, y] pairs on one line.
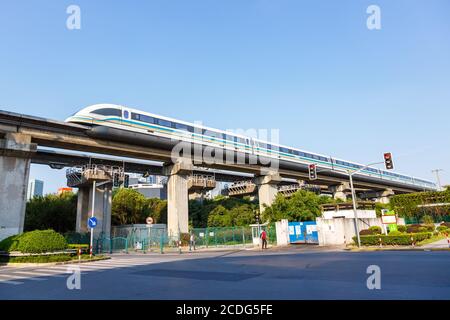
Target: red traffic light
{"points": [[388, 161]]}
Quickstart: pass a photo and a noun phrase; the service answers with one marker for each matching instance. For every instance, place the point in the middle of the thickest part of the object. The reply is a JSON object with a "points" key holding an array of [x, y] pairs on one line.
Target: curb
{"points": [[395, 249]]}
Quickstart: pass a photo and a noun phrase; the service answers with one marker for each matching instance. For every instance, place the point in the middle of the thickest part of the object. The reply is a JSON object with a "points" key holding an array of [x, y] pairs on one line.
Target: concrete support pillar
{"points": [[384, 196], [177, 197], [15, 152], [83, 209], [267, 189], [340, 191], [102, 210]]}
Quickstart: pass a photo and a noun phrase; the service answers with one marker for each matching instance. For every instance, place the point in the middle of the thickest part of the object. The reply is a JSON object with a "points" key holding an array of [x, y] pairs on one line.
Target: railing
{"points": [[77, 175], [144, 239]]}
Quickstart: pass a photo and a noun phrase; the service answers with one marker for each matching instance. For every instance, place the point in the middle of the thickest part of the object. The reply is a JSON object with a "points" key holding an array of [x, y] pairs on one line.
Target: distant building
{"points": [[64, 190], [150, 187], [151, 190], [35, 188]]}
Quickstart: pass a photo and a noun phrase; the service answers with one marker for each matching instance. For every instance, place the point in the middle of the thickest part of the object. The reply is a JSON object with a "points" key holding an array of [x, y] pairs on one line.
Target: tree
{"points": [[219, 217], [57, 212], [243, 215], [129, 207], [157, 209], [301, 206]]}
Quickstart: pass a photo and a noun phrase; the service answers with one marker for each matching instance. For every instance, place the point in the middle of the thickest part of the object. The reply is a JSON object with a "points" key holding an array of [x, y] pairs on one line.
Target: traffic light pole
{"points": [[355, 208]]}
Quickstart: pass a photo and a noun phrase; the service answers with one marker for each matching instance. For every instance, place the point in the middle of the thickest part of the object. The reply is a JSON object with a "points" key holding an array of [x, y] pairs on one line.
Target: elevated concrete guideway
{"points": [[23, 136], [68, 136]]}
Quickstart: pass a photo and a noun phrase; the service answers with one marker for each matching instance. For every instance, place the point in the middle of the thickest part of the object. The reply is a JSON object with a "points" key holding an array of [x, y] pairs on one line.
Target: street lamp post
{"points": [[355, 209]]}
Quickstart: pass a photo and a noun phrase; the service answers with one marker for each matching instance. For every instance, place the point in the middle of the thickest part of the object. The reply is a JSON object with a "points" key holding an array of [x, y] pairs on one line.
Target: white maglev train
{"points": [[108, 119]]}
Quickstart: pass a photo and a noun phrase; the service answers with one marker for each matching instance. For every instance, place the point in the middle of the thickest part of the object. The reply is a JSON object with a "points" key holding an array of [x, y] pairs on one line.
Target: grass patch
{"points": [[431, 240]]}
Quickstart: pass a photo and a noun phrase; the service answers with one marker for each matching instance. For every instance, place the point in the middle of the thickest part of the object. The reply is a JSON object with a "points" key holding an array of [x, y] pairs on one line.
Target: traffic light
{"points": [[116, 182], [312, 172], [388, 161], [126, 181]]}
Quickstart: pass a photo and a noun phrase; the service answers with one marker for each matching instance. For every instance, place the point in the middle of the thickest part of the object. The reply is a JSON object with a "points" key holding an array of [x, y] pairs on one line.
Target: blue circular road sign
{"points": [[92, 222]]}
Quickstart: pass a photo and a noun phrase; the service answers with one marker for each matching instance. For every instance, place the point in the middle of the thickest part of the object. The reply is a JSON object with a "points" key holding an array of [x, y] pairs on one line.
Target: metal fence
{"points": [[144, 239], [215, 237], [418, 220]]}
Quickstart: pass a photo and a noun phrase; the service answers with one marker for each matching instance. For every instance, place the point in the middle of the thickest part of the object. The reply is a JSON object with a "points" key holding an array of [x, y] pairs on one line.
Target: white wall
{"points": [[282, 228], [350, 214], [340, 231]]}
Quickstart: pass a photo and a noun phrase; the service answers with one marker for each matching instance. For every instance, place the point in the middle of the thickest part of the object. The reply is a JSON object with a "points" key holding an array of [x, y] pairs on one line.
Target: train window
{"points": [[184, 127], [285, 150], [164, 123], [108, 112], [241, 140], [143, 118], [227, 137], [126, 114]]}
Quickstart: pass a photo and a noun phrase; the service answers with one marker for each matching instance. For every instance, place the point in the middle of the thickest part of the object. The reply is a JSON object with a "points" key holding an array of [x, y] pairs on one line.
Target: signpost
{"points": [[390, 219], [92, 221]]}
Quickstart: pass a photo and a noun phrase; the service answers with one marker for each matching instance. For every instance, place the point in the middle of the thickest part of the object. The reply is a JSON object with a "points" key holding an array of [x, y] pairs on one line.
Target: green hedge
{"points": [[404, 239], [38, 241], [9, 244], [37, 259], [77, 237]]}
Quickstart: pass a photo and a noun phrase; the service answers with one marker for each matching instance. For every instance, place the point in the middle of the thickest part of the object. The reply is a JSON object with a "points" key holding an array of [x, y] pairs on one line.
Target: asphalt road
{"points": [[275, 274]]}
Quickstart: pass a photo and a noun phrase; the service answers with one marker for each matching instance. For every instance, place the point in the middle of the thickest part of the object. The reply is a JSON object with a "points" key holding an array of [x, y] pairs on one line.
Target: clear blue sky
{"points": [[310, 68]]}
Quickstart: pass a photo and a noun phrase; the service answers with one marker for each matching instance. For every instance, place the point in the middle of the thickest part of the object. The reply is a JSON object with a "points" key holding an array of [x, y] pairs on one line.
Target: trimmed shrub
{"points": [[366, 232], [185, 237], [403, 239], [9, 244], [401, 229], [40, 241], [395, 233], [442, 229], [446, 224], [427, 219], [430, 227], [375, 229], [77, 237], [413, 228]]}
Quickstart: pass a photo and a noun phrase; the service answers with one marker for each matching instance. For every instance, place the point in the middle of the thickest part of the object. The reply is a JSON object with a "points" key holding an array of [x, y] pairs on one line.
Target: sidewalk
{"points": [[441, 244]]}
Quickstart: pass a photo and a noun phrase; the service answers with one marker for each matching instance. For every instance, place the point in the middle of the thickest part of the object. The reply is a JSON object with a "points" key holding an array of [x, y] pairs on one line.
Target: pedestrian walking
{"points": [[264, 239], [192, 241]]}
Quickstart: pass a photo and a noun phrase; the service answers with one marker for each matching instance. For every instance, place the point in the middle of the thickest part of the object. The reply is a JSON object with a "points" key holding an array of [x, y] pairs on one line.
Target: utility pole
{"points": [[438, 179]]}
